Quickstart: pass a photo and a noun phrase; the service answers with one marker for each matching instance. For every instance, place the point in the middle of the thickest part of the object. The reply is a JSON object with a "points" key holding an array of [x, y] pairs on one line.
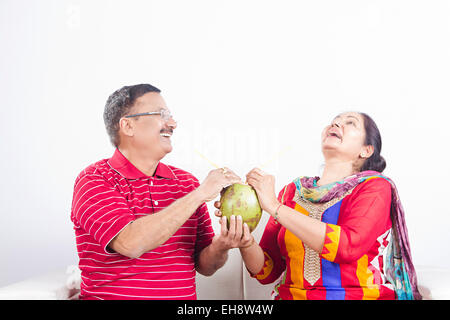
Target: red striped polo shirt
{"points": [[110, 194]]}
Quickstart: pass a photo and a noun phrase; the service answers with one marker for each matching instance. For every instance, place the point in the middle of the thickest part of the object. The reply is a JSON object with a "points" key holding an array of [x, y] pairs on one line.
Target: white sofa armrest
{"points": [[434, 282], [50, 286]]}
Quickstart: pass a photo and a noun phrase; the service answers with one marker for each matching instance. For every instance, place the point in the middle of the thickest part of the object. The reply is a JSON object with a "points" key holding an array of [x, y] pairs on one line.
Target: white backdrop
{"points": [[244, 79]]}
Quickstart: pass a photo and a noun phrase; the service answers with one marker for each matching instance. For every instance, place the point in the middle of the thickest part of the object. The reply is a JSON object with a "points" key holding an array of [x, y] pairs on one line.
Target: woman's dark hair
{"points": [[119, 104], [373, 138]]}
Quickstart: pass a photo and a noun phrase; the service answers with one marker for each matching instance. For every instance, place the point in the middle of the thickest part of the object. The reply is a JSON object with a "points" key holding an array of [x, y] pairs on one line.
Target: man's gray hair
{"points": [[119, 104]]}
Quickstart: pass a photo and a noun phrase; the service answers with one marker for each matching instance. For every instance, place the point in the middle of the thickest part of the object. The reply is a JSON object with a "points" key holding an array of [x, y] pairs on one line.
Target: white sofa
{"points": [[231, 282]]}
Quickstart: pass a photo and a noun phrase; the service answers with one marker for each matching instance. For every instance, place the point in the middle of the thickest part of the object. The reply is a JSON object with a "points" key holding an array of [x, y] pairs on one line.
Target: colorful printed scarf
{"points": [[399, 268]]}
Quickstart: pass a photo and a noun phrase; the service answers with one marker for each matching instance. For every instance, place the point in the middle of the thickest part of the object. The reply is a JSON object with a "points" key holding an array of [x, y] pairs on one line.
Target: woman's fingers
{"points": [[255, 173], [258, 172], [253, 182]]}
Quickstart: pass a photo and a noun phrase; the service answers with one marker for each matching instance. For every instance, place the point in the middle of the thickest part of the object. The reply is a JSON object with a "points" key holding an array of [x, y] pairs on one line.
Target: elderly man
{"points": [[142, 227]]}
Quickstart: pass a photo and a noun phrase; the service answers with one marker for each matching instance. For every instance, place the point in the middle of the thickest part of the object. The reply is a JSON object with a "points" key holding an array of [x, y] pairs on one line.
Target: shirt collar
{"points": [[126, 169]]}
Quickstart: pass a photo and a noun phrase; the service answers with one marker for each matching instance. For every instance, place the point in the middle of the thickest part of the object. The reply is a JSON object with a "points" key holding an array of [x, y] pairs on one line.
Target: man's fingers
{"points": [[247, 239], [232, 229], [232, 178], [223, 226], [238, 232], [231, 173], [246, 234]]}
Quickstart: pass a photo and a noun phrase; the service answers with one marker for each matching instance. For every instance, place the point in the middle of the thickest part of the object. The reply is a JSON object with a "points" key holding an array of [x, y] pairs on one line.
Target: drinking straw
{"points": [[265, 164]]}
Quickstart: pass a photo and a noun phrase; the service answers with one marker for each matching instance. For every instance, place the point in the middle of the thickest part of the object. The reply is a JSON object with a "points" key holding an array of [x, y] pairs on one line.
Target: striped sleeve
{"points": [[361, 225], [99, 209], [205, 232]]}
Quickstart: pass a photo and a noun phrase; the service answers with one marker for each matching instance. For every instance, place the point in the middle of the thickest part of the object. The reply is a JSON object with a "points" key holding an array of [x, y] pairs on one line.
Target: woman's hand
{"points": [[264, 184]]}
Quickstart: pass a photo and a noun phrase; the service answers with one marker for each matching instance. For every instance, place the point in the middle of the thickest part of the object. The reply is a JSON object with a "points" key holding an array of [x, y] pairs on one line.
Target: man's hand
{"points": [[215, 181], [237, 236], [215, 255]]}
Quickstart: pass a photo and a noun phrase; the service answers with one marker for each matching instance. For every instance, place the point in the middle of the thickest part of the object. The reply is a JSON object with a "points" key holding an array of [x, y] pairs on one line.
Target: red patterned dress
{"points": [[350, 266]]}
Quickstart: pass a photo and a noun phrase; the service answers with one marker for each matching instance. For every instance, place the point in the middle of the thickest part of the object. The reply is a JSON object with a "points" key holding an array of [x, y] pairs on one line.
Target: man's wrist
{"points": [[198, 196], [219, 249], [249, 245]]}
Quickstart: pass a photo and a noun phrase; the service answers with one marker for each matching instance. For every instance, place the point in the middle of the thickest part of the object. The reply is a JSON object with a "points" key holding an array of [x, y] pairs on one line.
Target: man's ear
{"points": [[126, 127]]}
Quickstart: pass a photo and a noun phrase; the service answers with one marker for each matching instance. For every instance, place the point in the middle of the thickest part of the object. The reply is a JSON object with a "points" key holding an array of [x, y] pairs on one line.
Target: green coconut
{"points": [[241, 200]]}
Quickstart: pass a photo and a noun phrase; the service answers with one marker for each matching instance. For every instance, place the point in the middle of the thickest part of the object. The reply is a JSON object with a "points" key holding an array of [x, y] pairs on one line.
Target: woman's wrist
{"points": [[272, 210], [275, 215]]}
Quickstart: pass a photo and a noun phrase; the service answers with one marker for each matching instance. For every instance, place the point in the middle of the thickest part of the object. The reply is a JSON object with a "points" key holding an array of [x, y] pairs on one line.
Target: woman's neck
{"points": [[335, 170]]}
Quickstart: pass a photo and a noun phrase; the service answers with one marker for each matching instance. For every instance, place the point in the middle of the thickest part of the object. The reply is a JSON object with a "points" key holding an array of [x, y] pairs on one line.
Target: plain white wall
{"points": [[244, 79]]}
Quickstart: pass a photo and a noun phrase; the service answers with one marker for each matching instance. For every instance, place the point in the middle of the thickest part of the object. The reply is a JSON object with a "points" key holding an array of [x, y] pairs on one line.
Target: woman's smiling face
{"points": [[345, 137]]}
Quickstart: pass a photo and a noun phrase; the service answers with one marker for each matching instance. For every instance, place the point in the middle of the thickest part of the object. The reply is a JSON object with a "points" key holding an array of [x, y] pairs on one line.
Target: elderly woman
{"points": [[338, 236]]}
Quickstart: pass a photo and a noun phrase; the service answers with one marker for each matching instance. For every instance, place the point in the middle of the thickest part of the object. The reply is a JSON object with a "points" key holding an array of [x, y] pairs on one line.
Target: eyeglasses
{"points": [[165, 114]]}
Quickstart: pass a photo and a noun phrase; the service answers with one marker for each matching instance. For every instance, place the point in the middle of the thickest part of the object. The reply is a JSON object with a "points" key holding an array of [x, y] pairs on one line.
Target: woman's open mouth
{"points": [[334, 133]]}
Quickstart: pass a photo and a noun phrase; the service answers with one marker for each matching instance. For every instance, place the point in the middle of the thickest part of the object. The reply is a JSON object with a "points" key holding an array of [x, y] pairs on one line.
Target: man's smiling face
{"points": [[152, 133]]}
